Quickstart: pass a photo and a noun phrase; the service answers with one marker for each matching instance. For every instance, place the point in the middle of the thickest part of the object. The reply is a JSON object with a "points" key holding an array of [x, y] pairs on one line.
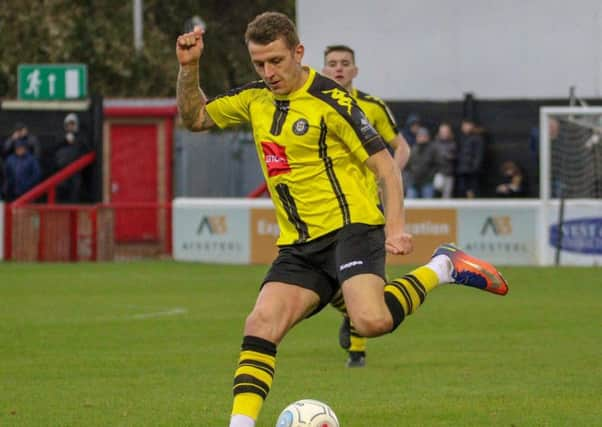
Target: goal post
{"points": [[570, 167], [571, 152]]}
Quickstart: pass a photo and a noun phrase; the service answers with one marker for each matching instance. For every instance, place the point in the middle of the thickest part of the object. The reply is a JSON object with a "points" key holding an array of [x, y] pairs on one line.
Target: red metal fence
{"points": [[86, 232]]}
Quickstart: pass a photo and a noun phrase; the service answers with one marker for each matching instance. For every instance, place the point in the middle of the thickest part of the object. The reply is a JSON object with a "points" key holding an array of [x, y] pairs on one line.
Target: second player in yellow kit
{"points": [[339, 65]]}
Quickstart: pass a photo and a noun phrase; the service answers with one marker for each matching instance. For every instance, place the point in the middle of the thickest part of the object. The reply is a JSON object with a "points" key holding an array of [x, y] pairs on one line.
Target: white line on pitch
{"points": [[173, 312]]}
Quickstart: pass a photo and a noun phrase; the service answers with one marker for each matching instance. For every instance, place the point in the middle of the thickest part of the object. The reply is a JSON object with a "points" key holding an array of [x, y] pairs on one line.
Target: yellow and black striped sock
{"points": [[357, 342], [403, 296], [253, 377], [338, 302]]}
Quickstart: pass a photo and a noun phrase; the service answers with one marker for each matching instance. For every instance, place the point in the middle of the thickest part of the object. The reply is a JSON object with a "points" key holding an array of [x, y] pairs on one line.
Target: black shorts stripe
{"points": [[280, 113], [249, 380], [334, 182], [293, 214], [257, 364], [417, 286]]}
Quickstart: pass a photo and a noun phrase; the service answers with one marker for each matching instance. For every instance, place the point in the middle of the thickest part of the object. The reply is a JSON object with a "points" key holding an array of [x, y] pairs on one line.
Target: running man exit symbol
{"points": [[49, 82]]}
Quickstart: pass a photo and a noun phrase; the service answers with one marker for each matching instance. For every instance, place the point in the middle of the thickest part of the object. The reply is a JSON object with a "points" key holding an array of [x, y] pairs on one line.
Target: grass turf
{"points": [[155, 344]]}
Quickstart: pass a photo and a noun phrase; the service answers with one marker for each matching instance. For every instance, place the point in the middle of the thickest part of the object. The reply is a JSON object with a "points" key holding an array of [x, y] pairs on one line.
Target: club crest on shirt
{"points": [[300, 127], [275, 158]]}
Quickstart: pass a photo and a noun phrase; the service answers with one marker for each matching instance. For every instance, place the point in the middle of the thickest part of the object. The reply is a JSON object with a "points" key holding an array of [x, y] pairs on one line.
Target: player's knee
{"points": [[372, 325], [257, 321], [261, 323]]}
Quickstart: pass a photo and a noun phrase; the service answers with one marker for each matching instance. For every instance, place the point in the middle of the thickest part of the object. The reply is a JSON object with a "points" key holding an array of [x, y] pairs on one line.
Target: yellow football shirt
{"points": [[381, 118], [312, 145], [378, 114]]}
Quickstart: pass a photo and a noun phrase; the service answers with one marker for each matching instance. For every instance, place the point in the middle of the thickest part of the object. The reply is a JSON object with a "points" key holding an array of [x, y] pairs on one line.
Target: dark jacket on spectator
{"points": [[67, 154], [422, 165], [32, 142], [446, 156], [471, 150], [69, 191], [22, 174]]}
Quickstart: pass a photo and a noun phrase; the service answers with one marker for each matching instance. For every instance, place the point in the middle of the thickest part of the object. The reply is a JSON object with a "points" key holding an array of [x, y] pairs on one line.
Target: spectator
{"points": [[72, 147], [446, 161], [421, 167], [471, 150], [411, 129], [22, 171], [21, 132], [512, 181]]}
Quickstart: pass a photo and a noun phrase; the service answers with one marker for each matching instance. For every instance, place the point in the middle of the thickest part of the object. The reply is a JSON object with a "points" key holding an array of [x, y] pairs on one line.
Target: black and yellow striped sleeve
{"points": [[232, 108], [380, 116], [346, 118]]}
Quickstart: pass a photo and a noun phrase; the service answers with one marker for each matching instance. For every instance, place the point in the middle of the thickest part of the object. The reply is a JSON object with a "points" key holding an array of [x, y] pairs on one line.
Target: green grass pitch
{"points": [[155, 344]]}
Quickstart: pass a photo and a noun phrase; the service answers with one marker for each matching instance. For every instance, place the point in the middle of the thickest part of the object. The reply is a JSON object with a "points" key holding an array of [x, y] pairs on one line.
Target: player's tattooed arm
{"points": [[192, 100]]}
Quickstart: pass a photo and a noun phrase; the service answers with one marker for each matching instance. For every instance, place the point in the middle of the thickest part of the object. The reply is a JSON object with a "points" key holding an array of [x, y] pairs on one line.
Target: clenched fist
{"points": [[189, 46], [399, 244]]}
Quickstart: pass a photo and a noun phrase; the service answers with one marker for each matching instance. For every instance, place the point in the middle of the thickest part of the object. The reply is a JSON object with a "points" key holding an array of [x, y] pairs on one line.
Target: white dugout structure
{"points": [[503, 231]]}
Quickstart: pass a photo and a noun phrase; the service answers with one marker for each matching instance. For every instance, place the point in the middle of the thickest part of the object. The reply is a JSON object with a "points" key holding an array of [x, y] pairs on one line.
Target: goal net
{"points": [[571, 185], [571, 153]]}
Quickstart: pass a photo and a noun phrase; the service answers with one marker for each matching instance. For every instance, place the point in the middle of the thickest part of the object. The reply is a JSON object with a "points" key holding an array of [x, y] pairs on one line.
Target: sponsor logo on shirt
{"points": [[341, 97], [366, 128], [275, 158]]}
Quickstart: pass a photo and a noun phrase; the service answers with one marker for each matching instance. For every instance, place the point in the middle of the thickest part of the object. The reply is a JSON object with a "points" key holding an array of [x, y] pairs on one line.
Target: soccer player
{"points": [[339, 65], [315, 147]]}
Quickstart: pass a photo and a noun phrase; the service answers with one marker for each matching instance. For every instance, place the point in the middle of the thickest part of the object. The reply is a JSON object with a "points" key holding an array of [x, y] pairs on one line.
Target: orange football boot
{"points": [[471, 271]]}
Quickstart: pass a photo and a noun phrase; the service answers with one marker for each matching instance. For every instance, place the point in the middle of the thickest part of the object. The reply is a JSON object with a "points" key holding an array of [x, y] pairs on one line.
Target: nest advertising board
{"points": [[580, 235]]}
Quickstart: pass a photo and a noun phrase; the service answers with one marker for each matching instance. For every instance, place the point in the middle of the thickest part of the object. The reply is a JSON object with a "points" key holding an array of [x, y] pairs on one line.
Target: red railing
{"points": [[43, 232], [259, 191], [48, 186]]}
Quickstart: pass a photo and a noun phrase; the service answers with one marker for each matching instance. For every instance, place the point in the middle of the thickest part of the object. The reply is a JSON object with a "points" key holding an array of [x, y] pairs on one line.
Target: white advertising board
{"points": [[504, 235], [581, 233], [211, 232], [233, 231]]}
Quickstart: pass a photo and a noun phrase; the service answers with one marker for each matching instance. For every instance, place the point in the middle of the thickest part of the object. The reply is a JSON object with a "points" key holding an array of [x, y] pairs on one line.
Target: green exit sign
{"points": [[52, 82]]}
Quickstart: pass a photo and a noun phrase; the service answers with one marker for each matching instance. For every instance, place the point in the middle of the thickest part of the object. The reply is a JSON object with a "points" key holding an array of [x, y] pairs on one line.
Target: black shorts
{"points": [[323, 264]]}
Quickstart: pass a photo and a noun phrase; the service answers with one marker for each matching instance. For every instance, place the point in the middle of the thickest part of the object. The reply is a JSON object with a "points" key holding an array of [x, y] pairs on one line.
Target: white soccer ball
{"points": [[307, 413]]}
